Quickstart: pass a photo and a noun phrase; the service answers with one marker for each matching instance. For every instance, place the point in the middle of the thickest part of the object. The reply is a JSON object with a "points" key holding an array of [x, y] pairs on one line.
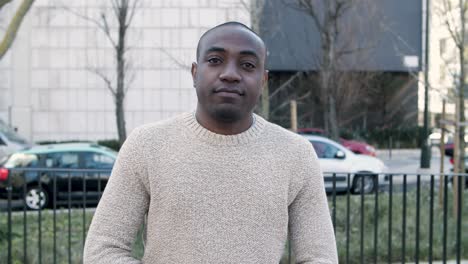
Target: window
{"points": [[442, 46], [97, 161], [324, 150], [63, 160]]}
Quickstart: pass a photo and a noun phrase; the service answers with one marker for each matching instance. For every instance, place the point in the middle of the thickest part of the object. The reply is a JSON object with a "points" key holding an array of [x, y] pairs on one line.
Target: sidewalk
{"points": [[408, 161]]}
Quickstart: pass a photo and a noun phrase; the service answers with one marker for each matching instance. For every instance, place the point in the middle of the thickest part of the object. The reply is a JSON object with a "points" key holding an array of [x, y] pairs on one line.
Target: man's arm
{"points": [[311, 230], [122, 208]]}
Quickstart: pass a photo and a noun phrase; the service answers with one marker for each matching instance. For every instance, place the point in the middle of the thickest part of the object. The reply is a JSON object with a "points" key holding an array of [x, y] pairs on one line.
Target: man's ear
{"points": [[194, 73], [265, 78]]}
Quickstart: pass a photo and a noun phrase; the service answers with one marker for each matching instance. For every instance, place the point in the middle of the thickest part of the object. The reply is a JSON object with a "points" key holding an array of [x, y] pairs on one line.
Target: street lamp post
{"points": [[425, 149]]}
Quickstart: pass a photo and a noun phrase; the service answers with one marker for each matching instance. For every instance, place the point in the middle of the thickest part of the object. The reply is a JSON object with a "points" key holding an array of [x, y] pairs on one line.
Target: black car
{"points": [[57, 173]]}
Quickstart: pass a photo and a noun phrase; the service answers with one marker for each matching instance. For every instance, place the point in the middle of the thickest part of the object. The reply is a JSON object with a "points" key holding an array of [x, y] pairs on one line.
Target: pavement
{"points": [[407, 161]]}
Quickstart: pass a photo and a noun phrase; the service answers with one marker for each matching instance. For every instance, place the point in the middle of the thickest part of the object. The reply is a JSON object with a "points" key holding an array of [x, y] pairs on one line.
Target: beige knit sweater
{"points": [[210, 198]]}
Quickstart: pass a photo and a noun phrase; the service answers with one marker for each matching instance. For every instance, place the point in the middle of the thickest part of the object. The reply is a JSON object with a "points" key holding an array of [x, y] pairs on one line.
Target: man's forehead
{"points": [[231, 35]]}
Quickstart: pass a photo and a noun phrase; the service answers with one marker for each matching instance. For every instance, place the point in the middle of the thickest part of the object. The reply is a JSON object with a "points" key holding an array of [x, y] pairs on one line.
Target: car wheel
{"points": [[36, 198], [364, 183]]}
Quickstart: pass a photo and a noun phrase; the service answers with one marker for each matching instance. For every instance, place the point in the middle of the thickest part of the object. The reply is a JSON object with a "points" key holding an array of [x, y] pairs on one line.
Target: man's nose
{"points": [[230, 73]]}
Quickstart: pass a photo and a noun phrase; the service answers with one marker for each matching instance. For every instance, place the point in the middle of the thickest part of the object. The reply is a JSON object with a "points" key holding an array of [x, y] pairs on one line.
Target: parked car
{"points": [[357, 147], [10, 141], [336, 159], [436, 135], [42, 173]]}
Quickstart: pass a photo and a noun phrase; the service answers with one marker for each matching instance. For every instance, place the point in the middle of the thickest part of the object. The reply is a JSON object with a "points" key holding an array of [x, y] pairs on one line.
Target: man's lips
{"points": [[228, 91]]}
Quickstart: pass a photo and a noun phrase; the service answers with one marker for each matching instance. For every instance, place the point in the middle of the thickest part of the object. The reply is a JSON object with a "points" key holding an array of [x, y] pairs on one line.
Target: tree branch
{"points": [[132, 13], [14, 26], [104, 78], [175, 60], [4, 2], [284, 85], [106, 29]]}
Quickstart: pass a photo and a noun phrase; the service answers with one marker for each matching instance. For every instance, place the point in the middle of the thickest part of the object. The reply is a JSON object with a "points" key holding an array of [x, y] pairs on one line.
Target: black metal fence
{"points": [[402, 218]]}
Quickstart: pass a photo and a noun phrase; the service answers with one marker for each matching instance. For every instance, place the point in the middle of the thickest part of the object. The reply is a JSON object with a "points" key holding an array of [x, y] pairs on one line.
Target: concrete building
{"points": [[48, 89], [443, 59]]}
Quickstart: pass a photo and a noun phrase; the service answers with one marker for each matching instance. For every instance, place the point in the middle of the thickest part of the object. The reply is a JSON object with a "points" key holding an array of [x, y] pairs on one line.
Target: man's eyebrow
{"points": [[243, 52], [215, 49], [250, 53]]}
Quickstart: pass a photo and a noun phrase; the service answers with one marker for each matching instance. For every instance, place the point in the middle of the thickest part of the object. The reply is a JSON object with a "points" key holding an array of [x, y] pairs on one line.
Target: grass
{"points": [[77, 223], [379, 248]]}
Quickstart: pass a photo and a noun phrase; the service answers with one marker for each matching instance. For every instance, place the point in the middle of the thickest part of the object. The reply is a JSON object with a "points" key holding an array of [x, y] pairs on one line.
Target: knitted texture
{"points": [[210, 198]]}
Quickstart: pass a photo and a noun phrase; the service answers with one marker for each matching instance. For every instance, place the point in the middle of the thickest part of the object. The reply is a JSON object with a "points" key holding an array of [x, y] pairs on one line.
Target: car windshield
{"points": [[10, 134]]}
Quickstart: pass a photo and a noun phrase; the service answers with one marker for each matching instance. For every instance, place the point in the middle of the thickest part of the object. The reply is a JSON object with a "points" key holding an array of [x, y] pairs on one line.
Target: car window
{"points": [[63, 160], [22, 160], [324, 150], [94, 160]]}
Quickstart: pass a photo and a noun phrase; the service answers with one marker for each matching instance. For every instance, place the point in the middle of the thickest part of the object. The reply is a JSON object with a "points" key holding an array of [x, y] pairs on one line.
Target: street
{"points": [[399, 161]]}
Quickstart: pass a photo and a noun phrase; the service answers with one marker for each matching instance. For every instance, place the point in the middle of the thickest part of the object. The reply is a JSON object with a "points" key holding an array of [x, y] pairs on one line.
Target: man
{"points": [[220, 185]]}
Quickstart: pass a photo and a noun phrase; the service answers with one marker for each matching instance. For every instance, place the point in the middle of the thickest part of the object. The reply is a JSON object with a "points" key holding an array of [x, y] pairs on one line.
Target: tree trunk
{"points": [[120, 92]]}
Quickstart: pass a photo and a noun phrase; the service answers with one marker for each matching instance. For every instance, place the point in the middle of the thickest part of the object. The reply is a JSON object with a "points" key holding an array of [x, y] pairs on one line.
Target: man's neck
{"points": [[223, 128]]}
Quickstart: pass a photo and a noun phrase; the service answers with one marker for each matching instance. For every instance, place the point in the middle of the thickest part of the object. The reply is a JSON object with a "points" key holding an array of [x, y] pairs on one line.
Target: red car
{"points": [[357, 147]]}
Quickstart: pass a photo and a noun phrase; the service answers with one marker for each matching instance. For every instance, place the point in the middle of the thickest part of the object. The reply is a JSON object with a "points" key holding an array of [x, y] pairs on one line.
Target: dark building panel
{"points": [[383, 31]]}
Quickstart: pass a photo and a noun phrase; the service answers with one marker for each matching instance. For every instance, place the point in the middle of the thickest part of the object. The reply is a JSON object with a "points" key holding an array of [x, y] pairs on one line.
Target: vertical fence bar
{"points": [[418, 200], [403, 242], [69, 217], [25, 225], [362, 218], [54, 187], [39, 219], [347, 216], [390, 205], [461, 183], [431, 218], [376, 216], [99, 187], [334, 203], [444, 234], [84, 207], [9, 222]]}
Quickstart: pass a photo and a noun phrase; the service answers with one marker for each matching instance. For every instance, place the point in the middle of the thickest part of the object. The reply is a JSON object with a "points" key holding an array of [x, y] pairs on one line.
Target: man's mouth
{"points": [[228, 91]]}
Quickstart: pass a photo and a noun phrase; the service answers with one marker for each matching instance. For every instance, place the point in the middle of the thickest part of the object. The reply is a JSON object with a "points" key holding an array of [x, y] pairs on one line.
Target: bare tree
{"points": [[122, 13], [454, 17], [337, 42], [14, 24]]}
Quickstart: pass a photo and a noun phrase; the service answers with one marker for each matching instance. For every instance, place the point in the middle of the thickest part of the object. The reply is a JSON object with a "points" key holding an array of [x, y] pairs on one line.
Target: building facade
{"points": [[49, 89]]}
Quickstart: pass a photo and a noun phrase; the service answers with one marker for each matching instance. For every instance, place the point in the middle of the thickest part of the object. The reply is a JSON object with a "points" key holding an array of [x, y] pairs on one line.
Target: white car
{"points": [[340, 163]]}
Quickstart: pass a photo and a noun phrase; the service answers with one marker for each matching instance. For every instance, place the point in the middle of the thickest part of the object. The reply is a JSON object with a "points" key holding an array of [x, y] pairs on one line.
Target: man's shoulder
{"points": [[283, 136], [160, 128]]}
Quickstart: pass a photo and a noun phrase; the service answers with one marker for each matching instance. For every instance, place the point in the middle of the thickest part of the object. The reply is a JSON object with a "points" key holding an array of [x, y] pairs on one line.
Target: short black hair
{"points": [[229, 23]]}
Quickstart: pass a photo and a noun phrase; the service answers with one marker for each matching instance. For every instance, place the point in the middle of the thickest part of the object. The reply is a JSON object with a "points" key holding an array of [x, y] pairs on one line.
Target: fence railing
{"points": [[392, 218]]}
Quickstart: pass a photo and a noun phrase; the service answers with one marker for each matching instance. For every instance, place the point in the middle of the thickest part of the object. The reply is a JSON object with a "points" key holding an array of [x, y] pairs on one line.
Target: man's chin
{"points": [[227, 114]]}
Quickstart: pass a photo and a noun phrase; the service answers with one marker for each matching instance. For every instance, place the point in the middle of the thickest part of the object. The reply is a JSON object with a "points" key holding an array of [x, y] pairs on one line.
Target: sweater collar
{"points": [[231, 140]]}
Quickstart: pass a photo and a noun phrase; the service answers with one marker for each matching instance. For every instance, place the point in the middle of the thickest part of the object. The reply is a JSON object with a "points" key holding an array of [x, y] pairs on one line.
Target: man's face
{"points": [[230, 73]]}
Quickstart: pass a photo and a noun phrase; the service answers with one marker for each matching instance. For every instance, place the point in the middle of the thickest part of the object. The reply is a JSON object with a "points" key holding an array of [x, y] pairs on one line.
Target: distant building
{"points": [[388, 37]]}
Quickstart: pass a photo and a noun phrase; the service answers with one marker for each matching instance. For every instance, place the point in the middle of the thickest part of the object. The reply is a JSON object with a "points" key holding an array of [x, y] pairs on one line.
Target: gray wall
{"points": [[385, 31]]}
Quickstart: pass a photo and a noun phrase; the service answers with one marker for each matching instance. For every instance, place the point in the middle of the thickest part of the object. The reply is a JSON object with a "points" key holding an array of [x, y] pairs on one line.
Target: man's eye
{"points": [[248, 65], [214, 60]]}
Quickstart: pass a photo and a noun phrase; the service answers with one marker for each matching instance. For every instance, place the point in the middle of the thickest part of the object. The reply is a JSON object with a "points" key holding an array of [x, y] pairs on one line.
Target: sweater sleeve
{"points": [[311, 230], [122, 208]]}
